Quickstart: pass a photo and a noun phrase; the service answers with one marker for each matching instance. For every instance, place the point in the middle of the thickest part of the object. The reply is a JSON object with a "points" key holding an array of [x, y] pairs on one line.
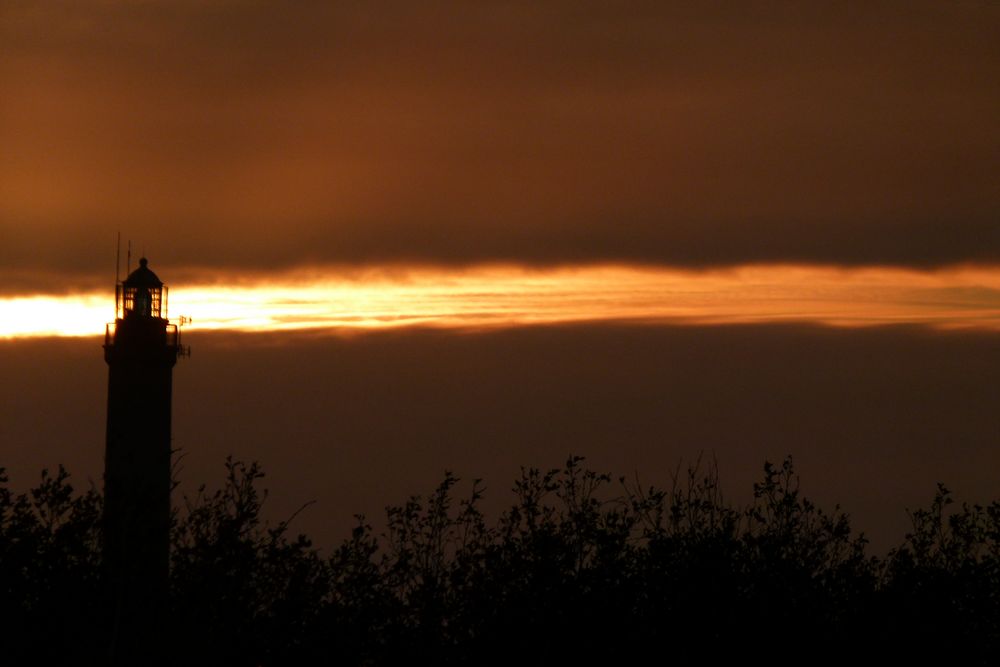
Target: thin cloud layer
{"points": [[264, 135]]}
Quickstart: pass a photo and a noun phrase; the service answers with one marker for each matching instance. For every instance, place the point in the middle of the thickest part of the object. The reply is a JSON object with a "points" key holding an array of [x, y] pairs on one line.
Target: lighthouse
{"points": [[141, 348]]}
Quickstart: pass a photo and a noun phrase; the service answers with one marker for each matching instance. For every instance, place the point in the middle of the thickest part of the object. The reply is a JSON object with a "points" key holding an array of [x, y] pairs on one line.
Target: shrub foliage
{"points": [[580, 568]]}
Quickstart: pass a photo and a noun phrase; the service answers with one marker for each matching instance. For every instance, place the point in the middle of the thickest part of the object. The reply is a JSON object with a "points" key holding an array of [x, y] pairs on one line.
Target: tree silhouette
{"points": [[580, 567], [49, 570]]}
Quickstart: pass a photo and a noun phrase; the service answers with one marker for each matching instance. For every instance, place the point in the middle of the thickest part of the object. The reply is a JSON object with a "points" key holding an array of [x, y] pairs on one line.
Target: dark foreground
{"points": [[581, 569]]}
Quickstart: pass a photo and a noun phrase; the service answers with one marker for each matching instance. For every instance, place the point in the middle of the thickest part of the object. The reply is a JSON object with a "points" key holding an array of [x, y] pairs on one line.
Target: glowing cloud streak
{"points": [[505, 296]]}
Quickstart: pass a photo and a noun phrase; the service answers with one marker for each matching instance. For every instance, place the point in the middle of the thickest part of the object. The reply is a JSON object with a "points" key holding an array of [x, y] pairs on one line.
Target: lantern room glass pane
{"points": [[142, 301]]}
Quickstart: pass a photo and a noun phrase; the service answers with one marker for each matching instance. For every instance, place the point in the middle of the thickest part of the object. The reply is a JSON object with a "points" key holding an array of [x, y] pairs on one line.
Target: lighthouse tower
{"points": [[141, 348]]}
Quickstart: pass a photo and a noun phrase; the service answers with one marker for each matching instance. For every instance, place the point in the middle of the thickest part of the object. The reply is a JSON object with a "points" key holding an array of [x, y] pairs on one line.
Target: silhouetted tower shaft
{"points": [[141, 351]]}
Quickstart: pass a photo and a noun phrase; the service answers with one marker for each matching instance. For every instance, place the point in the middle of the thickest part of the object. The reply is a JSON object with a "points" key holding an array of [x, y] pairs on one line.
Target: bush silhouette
{"points": [[581, 567], [49, 569]]}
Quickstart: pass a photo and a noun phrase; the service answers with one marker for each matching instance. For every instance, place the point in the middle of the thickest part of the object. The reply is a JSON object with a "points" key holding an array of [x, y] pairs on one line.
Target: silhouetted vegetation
{"points": [[581, 568]]}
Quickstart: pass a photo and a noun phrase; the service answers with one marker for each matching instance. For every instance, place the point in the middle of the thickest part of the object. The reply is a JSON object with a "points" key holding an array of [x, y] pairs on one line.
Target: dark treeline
{"points": [[580, 569]]}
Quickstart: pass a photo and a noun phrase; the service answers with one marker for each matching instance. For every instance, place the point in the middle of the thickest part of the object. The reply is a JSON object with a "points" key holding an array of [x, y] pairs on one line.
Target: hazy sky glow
{"points": [[491, 297]]}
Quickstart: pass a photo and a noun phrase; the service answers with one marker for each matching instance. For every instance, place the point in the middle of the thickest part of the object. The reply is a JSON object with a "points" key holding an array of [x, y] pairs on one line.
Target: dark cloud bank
{"points": [[263, 135], [873, 417]]}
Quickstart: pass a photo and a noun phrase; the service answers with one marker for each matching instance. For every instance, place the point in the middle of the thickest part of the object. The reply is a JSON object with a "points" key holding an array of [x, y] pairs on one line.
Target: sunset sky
{"points": [[479, 235]]}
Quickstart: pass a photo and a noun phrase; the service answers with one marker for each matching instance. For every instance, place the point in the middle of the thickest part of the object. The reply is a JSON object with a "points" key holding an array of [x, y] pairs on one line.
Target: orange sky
{"points": [[788, 180], [499, 297]]}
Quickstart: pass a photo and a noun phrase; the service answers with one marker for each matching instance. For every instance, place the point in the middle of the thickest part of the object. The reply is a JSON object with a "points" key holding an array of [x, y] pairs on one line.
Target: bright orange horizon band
{"points": [[509, 296]]}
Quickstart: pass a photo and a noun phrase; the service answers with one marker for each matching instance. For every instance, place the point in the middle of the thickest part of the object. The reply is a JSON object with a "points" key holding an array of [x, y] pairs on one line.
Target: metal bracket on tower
{"points": [[183, 350]]}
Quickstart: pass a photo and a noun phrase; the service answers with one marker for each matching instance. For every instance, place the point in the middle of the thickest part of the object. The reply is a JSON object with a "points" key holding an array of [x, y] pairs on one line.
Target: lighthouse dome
{"points": [[142, 277]]}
